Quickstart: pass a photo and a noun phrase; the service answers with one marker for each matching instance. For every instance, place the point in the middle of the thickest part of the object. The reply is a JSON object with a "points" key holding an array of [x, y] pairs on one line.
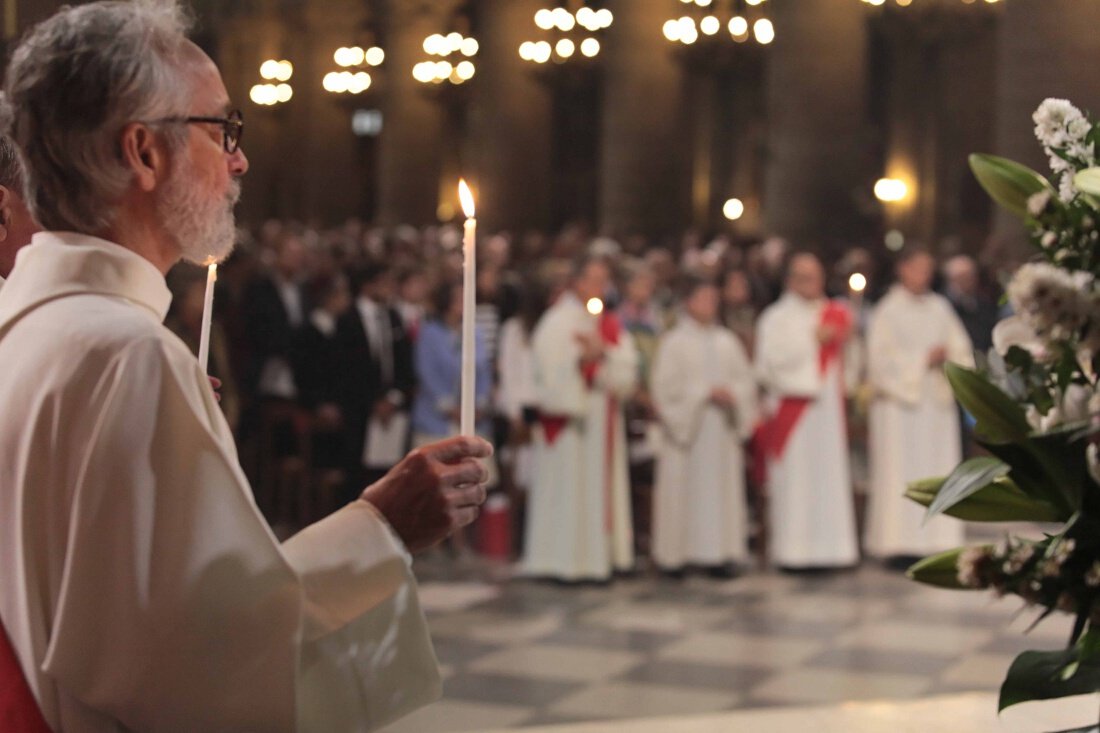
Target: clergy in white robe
{"points": [[914, 423], [799, 361], [578, 517], [140, 587], [704, 390]]}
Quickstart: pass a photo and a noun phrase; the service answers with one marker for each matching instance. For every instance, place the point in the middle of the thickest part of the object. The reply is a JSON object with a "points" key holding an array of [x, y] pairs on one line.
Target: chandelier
{"points": [[907, 3], [452, 59], [713, 21], [567, 33], [274, 90], [356, 64]]}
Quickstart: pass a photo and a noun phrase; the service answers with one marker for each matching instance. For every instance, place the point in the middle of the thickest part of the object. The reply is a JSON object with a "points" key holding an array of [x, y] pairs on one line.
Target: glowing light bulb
{"points": [[733, 209], [590, 47], [857, 283], [594, 306]]}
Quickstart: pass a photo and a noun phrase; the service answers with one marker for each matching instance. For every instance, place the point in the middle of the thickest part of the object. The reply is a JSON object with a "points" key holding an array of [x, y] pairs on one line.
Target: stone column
{"points": [[645, 153], [509, 121], [816, 89], [1048, 48], [409, 158]]}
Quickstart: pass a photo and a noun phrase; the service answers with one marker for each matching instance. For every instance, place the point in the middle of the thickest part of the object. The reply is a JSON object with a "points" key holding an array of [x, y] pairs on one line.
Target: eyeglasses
{"points": [[232, 127]]}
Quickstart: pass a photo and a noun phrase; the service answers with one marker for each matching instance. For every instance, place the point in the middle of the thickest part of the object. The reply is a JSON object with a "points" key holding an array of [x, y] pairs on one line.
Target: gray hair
{"points": [[74, 83]]}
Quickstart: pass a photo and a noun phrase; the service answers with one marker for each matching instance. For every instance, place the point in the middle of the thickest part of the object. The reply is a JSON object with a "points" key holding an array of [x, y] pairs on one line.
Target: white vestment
{"points": [[699, 506], [516, 389], [578, 517], [914, 423], [141, 588], [810, 508]]}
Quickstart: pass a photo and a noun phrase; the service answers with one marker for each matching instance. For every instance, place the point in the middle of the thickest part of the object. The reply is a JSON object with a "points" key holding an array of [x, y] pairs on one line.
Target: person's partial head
{"points": [[447, 302], [961, 272], [106, 98], [591, 277], [413, 286], [376, 282], [290, 255], [641, 284], [701, 299], [805, 276], [16, 223], [332, 294], [915, 269], [736, 289]]}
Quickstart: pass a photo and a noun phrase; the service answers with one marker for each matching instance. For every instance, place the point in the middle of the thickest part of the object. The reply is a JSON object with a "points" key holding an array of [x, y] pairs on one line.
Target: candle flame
{"points": [[210, 261], [857, 282], [466, 197], [594, 306]]}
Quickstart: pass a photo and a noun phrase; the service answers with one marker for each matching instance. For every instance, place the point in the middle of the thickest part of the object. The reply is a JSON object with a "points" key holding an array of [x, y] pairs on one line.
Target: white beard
{"points": [[203, 227]]}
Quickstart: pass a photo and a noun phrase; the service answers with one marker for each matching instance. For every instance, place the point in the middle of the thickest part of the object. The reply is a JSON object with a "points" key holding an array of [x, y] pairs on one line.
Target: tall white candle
{"points": [[468, 397], [207, 315]]}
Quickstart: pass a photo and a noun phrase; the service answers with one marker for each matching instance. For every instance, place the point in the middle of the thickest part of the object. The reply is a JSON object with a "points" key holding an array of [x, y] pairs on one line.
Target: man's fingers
{"points": [[462, 516], [466, 496], [467, 471], [457, 448]]}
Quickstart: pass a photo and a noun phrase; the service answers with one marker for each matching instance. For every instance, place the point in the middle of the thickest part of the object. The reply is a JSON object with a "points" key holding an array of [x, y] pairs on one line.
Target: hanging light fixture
{"points": [[450, 59], [356, 64], [710, 22], [566, 34], [276, 88], [907, 3]]}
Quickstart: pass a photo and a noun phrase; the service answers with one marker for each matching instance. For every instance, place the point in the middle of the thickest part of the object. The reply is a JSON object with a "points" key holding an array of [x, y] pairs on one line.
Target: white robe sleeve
{"points": [[893, 370], [618, 374], [742, 384], [559, 386], [177, 609], [679, 393], [786, 360]]}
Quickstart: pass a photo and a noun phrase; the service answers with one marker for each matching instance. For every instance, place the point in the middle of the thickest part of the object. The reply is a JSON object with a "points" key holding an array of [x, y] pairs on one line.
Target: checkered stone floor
{"points": [[518, 653]]}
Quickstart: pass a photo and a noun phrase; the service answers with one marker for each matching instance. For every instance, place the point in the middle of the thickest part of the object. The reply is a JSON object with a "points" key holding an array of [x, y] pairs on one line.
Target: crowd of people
{"points": [[689, 402]]}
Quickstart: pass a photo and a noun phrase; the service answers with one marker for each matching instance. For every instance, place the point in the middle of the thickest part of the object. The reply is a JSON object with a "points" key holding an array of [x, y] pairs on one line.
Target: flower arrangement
{"points": [[1036, 402]]}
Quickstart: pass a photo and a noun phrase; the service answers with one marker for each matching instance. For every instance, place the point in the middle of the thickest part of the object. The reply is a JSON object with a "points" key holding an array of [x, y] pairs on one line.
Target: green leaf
{"points": [[999, 418], [968, 477], [1050, 675], [940, 570], [1088, 181], [1000, 501], [1007, 182]]}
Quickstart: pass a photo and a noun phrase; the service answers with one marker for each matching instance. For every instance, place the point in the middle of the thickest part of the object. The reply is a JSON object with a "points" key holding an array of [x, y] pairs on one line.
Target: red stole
{"points": [[609, 328], [19, 712], [773, 435]]}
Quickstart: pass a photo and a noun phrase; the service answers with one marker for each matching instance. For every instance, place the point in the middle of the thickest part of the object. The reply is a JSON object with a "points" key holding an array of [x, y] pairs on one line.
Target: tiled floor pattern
{"points": [[521, 653]]}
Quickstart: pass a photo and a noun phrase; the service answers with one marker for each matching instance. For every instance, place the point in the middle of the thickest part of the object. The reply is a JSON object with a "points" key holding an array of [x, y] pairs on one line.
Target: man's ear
{"points": [[144, 155]]}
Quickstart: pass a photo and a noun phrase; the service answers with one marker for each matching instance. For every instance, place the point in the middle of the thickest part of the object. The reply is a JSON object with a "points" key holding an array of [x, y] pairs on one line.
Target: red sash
{"points": [[609, 329], [19, 712], [772, 436]]}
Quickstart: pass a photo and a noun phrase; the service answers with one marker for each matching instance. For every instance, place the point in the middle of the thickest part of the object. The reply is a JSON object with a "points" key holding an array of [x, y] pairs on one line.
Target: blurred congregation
{"points": [[638, 404]]}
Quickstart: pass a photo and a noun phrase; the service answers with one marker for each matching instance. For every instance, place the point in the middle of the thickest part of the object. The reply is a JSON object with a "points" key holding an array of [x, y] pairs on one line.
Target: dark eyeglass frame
{"points": [[232, 127]]}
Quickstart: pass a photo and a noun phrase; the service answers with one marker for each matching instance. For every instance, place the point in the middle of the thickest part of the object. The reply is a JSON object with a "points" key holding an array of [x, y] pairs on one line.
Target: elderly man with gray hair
{"points": [[139, 585]]}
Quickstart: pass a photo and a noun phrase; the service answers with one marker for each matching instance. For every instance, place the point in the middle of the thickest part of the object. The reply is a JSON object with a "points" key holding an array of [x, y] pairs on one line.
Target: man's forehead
{"points": [[209, 95]]}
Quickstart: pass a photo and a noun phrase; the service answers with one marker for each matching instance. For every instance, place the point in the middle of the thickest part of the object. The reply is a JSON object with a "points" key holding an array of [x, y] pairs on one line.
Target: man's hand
{"points": [[592, 347], [827, 333], [433, 491], [723, 397], [937, 356], [384, 410]]}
